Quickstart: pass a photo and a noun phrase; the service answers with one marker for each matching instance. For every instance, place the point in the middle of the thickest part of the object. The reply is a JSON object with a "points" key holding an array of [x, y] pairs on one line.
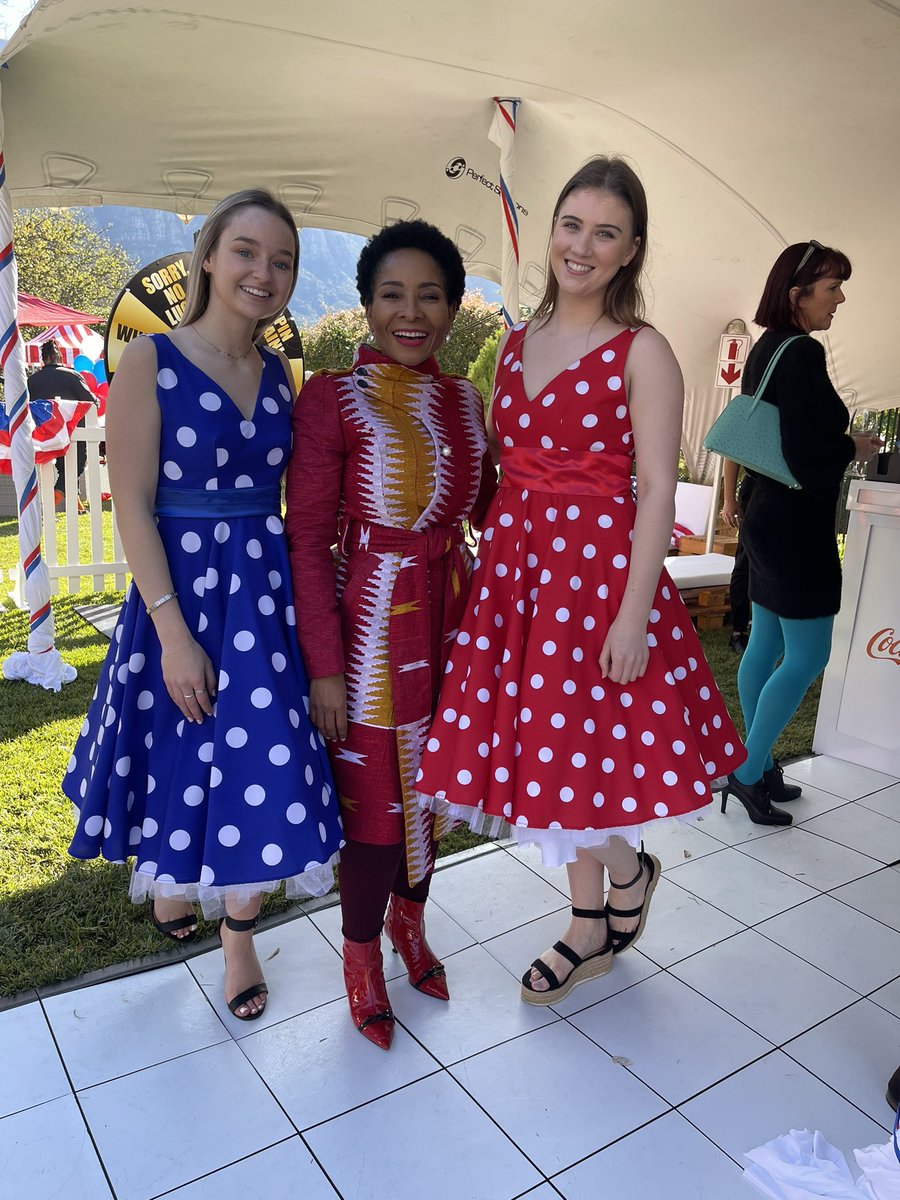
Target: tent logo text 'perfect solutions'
{"points": [[457, 167]]}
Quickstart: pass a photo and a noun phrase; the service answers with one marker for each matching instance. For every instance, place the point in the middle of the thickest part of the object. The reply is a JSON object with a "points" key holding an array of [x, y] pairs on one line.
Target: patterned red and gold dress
{"points": [[526, 729], [388, 462]]}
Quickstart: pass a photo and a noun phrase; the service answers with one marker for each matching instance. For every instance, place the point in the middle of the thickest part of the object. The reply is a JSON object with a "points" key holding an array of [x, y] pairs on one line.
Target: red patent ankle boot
{"points": [[367, 993], [405, 926]]}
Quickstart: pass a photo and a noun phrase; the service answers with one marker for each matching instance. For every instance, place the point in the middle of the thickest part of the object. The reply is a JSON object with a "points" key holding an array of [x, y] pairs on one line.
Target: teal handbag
{"points": [[748, 430]]}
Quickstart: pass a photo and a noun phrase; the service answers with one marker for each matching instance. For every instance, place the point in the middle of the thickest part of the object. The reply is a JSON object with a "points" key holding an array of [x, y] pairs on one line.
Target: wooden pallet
{"points": [[707, 606], [722, 544]]}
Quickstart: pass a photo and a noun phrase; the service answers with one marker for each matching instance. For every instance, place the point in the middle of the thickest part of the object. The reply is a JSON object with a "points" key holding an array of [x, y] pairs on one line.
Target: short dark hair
{"points": [[411, 235], [49, 351], [776, 310]]}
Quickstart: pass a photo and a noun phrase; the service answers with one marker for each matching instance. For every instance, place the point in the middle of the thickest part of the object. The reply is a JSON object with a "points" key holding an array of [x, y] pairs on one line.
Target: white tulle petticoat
{"points": [[558, 846], [317, 881]]}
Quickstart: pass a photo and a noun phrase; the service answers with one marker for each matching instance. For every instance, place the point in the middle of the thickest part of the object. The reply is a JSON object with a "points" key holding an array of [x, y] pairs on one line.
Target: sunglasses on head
{"points": [[807, 255]]}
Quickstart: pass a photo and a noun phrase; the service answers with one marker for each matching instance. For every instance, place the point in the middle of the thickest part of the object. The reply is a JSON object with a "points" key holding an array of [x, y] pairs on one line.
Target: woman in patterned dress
{"points": [[390, 457], [197, 755], [578, 705]]}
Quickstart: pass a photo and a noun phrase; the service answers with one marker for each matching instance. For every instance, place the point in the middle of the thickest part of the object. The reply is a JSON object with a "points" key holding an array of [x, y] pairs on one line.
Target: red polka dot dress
{"points": [[527, 730]]}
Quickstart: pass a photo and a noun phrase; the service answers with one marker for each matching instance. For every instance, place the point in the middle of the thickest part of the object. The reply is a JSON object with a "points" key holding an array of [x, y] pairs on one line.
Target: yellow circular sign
{"points": [[153, 300]]}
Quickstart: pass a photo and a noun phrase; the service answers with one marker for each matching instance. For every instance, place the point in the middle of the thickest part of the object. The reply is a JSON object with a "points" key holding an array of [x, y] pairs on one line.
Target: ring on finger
{"points": [[188, 695]]}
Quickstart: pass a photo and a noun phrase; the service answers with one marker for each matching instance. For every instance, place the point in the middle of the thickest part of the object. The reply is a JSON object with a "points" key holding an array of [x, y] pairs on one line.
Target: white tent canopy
{"points": [[752, 124]]}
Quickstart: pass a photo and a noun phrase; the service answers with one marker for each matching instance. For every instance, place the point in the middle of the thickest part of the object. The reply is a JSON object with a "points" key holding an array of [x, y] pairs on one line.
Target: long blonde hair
{"points": [[197, 299], [624, 300]]}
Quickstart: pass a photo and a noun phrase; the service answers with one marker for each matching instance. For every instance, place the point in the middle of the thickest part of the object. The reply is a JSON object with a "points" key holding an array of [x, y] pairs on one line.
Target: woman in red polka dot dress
{"points": [[577, 704]]}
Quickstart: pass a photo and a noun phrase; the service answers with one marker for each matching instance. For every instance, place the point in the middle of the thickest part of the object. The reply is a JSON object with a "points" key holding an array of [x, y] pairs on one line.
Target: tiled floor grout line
{"points": [[543, 1174], [772, 1045], [439, 1069], [789, 908], [831, 1087], [801, 828], [287, 1117], [708, 1137], [74, 1094], [209, 1174], [797, 954]]}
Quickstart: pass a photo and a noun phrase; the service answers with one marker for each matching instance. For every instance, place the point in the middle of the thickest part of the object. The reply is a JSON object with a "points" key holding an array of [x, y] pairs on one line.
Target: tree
{"points": [[331, 341], [63, 259], [475, 321], [481, 372]]}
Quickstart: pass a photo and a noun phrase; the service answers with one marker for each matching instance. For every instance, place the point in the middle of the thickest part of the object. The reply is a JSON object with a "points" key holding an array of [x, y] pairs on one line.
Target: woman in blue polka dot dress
{"points": [[197, 755]]}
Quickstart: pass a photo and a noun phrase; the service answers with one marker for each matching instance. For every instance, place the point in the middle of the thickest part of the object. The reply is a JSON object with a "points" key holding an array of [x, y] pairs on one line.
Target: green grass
{"points": [[59, 917]]}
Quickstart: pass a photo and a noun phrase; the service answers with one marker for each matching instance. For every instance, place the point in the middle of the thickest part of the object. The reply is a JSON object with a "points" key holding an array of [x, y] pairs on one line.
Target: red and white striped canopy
{"points": [[71, 339]]}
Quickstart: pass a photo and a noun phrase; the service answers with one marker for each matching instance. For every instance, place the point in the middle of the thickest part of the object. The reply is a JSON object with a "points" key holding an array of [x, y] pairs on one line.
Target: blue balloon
{"points": [[83, 363], [100, 371]]}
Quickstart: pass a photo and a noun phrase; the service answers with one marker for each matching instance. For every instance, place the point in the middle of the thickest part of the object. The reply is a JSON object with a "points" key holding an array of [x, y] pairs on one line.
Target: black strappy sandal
{"points": [[621, 941], [592, 966], [257, 989], [169, 928]]}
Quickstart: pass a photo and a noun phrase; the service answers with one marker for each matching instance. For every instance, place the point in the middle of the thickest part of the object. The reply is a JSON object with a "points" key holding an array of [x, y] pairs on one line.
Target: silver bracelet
{"points": [[151, 608]]}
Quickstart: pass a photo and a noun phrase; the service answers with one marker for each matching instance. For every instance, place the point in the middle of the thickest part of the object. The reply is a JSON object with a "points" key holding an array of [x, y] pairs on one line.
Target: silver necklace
{"points": [[218, 350]]}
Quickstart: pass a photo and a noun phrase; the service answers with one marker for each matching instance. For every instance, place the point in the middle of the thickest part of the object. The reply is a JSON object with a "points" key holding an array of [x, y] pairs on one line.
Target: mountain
{"points": [[327, 277]]}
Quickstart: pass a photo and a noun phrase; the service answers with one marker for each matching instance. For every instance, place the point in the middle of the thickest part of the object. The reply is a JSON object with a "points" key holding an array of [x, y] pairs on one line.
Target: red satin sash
{"points": [[570, 472]]}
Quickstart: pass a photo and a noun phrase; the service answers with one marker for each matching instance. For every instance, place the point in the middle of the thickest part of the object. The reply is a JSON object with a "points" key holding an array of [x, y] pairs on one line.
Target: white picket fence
{"points": [[81, 554]]}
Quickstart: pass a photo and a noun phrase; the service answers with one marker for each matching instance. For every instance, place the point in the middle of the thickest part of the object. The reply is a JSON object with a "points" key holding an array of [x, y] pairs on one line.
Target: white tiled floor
{"points": [[765, 995]]}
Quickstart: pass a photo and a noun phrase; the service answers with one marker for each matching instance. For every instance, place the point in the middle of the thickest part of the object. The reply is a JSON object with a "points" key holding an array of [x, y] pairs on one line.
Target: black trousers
{"points": [[81, 463], [367, 875], [739, 589]]}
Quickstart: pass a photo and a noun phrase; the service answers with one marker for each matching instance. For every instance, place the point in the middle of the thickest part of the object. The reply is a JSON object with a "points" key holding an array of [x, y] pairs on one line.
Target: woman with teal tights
{"points": [[789, 534]]}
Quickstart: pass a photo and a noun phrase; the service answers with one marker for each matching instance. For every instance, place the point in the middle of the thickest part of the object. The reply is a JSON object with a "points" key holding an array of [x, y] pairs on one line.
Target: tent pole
{"points": [[736, 326], [714, 504], [41, 663], [503, 135]]}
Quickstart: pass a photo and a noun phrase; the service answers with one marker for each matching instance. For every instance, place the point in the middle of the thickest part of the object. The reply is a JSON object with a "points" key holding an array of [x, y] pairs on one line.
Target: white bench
{"points": [[690, 571]]}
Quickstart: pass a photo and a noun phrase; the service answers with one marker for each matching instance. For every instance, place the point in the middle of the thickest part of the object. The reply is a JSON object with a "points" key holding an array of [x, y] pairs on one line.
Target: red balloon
{"points": [[91, 380]]}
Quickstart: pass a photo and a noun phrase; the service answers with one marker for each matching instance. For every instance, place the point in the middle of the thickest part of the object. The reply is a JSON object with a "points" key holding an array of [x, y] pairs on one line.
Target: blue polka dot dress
{"points": [[246, 799]]}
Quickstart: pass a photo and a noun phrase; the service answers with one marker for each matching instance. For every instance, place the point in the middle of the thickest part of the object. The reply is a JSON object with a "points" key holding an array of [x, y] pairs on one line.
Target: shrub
{"points": [[332, 341]]}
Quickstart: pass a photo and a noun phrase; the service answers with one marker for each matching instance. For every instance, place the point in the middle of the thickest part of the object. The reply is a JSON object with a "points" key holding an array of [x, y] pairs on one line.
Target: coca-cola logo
{"points": [[884, 644]]}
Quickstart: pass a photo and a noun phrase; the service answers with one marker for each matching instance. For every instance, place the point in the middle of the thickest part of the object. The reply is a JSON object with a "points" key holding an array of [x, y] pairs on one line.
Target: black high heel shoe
{"points": [[779, 791], [170, 929], [257, 989], [755, 798]]}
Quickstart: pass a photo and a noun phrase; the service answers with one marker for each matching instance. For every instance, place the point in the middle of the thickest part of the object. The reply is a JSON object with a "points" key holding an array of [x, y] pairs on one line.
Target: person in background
{"points": [[734, 504], [788, 533], [54, 380], [390, 458], [734, 499]]}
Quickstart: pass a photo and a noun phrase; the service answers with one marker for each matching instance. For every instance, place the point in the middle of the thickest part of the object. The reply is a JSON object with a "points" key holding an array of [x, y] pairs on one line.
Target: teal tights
{"points": [[771, 691]]}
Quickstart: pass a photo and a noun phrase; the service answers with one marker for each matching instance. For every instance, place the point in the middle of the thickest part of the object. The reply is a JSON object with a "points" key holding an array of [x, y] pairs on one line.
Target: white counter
{"points": [[859, 713]]}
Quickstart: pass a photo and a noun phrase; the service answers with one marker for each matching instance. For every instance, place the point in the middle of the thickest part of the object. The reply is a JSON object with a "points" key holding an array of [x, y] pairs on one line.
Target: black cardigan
{"points": [[789, 534]]}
